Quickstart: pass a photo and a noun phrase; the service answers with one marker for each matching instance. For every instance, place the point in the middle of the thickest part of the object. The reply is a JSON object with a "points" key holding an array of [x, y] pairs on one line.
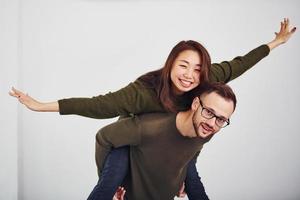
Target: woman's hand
{"points": [[283, 35], [33, 104]]}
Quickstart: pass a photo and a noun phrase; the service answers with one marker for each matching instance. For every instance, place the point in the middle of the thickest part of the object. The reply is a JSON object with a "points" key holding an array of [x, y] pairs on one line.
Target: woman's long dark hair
{"points": [[161, 81]]}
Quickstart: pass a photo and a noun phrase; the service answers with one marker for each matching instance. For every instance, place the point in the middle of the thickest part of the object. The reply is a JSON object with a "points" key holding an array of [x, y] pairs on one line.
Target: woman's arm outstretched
{"points": [[32, 103], [228, 70]]}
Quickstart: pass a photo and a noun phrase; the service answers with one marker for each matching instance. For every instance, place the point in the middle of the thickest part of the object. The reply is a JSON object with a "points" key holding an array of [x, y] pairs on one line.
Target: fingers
{"points": [[182, 188], [16, 93], [285, 27], [12, 94], [281, 26], [181, 192], [121, 193], [182, 195], [287, 22]]}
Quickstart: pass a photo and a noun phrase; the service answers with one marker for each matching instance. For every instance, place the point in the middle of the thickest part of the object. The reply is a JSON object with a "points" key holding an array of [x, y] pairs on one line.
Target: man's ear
{"points": [[195, 103]]}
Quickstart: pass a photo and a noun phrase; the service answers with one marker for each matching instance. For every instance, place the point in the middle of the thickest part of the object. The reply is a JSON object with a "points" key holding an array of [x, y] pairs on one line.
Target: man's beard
{"points": [[195, 124]]}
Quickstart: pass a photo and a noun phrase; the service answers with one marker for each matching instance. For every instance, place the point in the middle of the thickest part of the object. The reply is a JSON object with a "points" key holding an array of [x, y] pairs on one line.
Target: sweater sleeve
{"points": [[126, 131], [229, 70], [132, 99]]}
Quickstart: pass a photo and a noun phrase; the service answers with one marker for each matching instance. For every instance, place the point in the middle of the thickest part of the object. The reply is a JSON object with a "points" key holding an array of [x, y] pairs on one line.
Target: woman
{"points": [[163, 90]]}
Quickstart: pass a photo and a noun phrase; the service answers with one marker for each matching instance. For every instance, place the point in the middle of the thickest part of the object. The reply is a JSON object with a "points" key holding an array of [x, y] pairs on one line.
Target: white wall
{"points": [[9, 50], [63, 48]]}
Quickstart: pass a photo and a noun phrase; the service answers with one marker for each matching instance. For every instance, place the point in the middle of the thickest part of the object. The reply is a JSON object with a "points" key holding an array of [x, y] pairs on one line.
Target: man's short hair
{"points": [[218, 87]]}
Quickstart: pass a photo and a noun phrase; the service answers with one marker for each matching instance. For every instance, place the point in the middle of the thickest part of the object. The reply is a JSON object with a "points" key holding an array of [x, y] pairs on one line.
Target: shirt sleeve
{"points": [[229, 70], [132, 99], [125, 131]]}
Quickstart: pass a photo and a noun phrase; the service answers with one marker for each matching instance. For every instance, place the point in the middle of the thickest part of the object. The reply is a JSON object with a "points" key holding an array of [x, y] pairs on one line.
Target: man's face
{"points": [[214, 107]]}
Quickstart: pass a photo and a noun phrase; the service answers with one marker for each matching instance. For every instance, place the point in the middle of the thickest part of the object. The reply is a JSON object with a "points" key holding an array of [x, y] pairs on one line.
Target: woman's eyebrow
{"points": [[199, 65], [184, 61]]}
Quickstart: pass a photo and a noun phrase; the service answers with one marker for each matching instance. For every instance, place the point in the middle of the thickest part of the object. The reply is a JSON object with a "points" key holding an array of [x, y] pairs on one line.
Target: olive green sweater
{"points": [[136, 99], [159, 154]]}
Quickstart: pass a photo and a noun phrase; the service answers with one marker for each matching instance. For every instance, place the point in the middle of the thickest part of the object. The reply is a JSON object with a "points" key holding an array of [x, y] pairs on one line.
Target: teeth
{"points": [[205, 128], [186, 83]]}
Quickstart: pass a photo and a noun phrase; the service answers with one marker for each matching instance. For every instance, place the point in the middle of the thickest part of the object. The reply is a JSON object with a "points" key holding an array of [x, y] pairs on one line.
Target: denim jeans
{"points": [[115, 170], [193, 185], [113, 173]]}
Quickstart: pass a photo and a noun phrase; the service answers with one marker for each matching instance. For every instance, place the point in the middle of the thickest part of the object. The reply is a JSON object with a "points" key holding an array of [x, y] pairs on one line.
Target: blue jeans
{"points": [[193, 185], [113, 173], [116, 167]]}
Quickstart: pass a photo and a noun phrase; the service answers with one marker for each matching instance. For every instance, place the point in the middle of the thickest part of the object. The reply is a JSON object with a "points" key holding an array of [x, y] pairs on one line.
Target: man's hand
{"points": [[181, 193], [120, 193]]}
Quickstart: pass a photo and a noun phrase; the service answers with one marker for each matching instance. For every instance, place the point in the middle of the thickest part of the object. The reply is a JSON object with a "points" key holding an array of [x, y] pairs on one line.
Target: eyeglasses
{"points": [[208, 114]]}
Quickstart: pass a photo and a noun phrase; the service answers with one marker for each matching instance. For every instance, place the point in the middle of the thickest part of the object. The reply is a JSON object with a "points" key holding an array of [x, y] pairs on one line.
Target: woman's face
{"points": [[185, 72]]}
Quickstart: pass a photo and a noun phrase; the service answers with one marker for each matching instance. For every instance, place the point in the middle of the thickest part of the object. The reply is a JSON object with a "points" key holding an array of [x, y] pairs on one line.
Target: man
{"points": [[162, 144]]}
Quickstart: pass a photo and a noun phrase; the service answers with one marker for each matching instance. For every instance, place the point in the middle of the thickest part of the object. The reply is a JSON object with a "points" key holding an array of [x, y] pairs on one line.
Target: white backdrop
{"points": [[63, 48]]}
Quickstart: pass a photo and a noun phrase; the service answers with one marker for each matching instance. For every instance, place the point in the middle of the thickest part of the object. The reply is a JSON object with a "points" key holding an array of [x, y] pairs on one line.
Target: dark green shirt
{"points": [[136, 99], [159, 154]]}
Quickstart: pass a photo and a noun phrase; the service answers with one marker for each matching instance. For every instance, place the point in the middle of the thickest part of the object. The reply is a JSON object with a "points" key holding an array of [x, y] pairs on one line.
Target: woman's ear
{"points": [[195, 103]]}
